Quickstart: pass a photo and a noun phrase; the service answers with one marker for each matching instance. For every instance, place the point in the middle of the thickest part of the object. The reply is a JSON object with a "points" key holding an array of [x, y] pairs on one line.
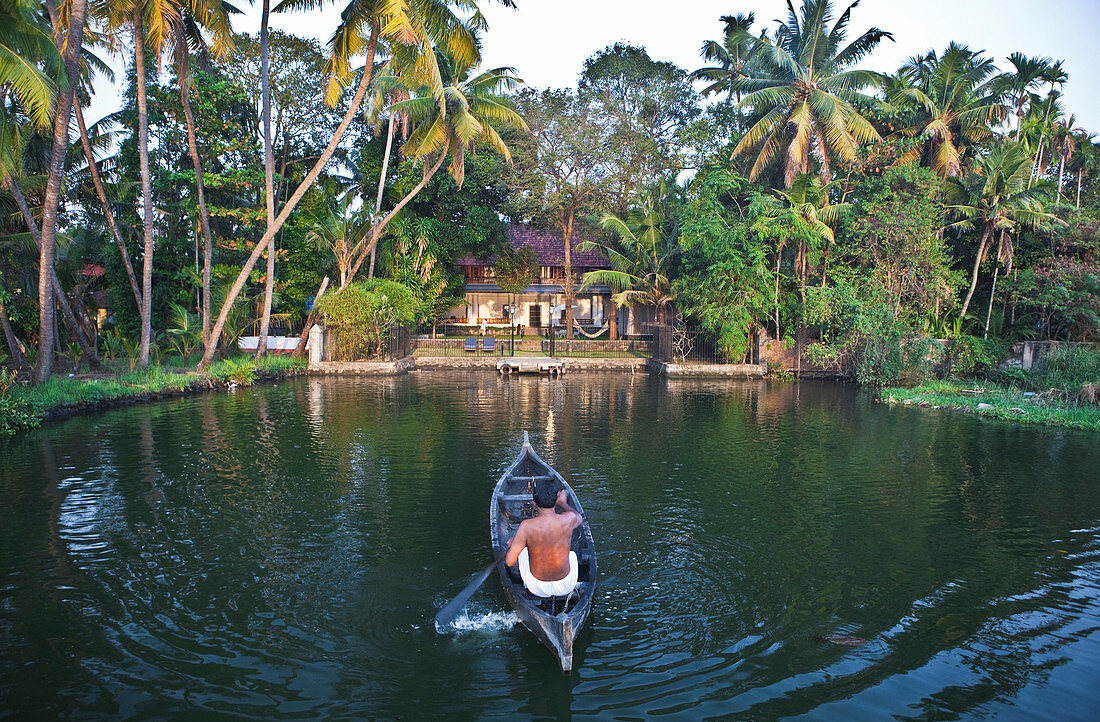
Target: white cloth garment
{"points": [[540, 588]]}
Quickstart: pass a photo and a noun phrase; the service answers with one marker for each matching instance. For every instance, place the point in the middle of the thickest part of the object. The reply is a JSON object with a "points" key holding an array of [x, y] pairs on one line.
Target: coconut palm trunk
{"points": [[307, 182], [72, 325], [1061, 177], [148, 220], [74, 40], [376, 231], [108, 213], [184, 75], [987, 233], [989, 311], [567, 235], [381, 186], [269, 185]]}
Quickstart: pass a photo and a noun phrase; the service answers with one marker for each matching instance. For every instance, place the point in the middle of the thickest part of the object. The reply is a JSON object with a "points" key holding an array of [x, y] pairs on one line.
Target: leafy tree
{"points": [[893, 236], [1062, 297], [861, 334], [461, 220], [362, 26], [516, 268], [561, 172], [643, 103], [361, 315], [725, 281]]}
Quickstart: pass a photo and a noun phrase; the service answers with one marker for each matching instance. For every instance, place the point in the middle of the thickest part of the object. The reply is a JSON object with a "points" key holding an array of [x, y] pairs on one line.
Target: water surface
{"points": [[279, 552]]}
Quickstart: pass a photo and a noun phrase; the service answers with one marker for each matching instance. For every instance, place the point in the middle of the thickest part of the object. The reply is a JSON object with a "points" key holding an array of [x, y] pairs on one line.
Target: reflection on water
{"points": [[281, 551]]}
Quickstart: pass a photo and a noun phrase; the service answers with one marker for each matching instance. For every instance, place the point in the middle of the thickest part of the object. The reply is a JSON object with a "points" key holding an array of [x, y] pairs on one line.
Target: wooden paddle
{"points": [[452, 609]]}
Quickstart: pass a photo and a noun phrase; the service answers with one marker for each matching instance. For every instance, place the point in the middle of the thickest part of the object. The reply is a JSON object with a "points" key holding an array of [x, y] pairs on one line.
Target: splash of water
{"points": [[475, 622]]}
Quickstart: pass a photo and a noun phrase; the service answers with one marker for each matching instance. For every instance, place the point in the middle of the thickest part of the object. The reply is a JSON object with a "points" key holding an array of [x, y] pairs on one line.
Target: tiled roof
{"points": [[548, 246]]}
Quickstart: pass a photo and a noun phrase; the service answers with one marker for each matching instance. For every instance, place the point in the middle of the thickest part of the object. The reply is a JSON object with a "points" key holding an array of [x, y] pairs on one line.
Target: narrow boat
{"points": [[556, 621]]}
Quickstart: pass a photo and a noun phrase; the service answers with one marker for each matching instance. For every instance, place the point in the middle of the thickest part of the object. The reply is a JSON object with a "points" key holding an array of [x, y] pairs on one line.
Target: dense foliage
{"points": [[887, 225]]}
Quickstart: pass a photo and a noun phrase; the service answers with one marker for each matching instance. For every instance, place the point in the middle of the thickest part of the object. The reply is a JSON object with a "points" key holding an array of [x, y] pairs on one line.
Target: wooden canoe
{"points": [[555, 624]]}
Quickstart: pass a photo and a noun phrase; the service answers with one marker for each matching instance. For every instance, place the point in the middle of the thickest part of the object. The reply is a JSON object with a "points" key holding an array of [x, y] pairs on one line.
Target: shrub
{"points": [[1066, 367], [360, 316], [861, 333], [235, 370], [969, 356]]}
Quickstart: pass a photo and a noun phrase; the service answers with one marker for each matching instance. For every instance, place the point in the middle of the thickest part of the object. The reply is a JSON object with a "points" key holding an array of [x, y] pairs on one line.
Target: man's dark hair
{"points": [[545, 494]]}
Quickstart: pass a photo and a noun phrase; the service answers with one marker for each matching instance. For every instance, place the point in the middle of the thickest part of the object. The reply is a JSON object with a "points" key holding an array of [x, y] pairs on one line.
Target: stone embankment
{"points": [[571, 365]]}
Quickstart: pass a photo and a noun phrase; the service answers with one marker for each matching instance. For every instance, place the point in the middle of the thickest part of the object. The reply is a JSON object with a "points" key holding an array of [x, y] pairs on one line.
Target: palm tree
{"points": [[86, 142], [466, 118], [808, 202], [364, 23], [1028, 73], [808, 92], [1085, 161], [269, 175], [341, 232], [733, 56], [26, 48], [1064, 143], [954, 100], [73, 39], [642, 252], [196, 16], [1055, 75], [994, 200], [151, 22], [389, 87]]}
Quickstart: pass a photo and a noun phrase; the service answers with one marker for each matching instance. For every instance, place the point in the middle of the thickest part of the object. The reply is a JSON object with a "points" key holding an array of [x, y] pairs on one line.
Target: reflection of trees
{"points": [[736, 521]]}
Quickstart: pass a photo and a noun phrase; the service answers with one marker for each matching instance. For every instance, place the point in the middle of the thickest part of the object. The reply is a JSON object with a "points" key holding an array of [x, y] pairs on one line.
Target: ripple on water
{"points": [[281, 553]]}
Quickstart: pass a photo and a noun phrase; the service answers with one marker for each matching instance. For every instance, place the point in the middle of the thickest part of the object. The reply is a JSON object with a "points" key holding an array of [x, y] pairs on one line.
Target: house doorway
{"points": [[534, 315]]}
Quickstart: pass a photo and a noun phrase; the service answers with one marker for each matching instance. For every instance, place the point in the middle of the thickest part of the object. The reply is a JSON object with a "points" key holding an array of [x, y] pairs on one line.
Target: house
{"points": [[486, 301]]}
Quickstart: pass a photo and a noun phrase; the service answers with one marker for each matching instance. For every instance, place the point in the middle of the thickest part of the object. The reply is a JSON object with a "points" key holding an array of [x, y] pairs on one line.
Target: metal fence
{"points": [[364, 344], [469, 341], [671, 344], [640, 346], [686, 345]]}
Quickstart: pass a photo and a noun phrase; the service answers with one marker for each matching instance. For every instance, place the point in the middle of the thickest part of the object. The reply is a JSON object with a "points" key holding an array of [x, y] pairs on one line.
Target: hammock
{"points": [[577, 327]]}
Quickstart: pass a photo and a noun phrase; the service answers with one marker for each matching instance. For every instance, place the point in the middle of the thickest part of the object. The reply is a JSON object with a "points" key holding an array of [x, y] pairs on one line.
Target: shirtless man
{"points": [[541, 545]]}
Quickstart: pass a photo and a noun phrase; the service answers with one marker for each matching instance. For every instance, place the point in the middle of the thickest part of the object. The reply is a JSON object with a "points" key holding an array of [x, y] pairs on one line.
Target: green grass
{"points": [[1005, 402], [24, 406]]}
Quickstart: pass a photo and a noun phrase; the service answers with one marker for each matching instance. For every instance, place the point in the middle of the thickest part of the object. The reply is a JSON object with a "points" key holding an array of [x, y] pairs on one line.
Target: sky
{"points": [[547, 41]]}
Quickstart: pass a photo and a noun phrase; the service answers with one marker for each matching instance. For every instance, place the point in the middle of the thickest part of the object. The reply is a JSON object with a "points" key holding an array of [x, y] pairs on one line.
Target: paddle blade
{"points": [[455, 606]]}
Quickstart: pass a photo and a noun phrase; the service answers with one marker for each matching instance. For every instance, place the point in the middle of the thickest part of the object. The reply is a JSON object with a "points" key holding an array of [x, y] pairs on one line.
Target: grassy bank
{"points": [[1000, 402], [25, 407]]}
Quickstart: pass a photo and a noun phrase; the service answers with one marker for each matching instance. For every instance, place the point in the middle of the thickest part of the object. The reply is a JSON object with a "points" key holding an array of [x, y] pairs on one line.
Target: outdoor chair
{"points": [[489, 344], [471, 344]]}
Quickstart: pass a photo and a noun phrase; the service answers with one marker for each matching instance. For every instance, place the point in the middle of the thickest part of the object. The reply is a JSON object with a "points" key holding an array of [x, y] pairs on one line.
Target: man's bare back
{"points": [[547, 537]]}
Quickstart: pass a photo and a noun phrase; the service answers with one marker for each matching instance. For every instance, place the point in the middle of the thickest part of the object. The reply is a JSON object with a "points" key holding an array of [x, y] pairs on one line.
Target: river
{"points": [[766, 551]]}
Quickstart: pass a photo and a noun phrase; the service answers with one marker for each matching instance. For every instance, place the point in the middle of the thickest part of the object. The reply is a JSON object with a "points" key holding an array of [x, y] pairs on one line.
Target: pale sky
{"points": [[547, 41]]}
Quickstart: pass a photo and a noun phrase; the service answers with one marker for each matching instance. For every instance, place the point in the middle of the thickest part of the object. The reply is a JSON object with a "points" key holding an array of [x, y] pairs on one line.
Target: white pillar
{"points": [[316, 344]]}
